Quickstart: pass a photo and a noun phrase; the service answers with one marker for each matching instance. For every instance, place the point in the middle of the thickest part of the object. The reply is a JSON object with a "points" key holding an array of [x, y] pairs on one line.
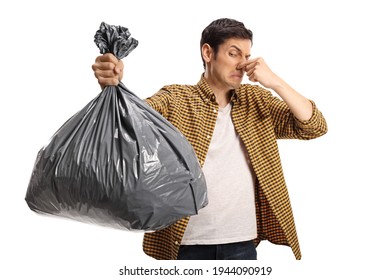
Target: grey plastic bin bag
{"points": [[117, 162]]}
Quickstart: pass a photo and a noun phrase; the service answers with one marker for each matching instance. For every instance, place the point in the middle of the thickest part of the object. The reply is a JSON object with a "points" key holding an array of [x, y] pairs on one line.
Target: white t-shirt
{"points": [[230, 215]]}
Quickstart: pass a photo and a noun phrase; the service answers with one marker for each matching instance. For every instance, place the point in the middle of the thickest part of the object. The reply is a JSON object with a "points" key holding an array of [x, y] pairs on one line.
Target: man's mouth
{"points": [[238, 75]]}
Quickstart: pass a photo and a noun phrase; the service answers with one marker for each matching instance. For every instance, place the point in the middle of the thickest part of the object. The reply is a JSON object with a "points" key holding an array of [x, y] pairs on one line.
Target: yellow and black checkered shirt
{"points": [[259, 119]]}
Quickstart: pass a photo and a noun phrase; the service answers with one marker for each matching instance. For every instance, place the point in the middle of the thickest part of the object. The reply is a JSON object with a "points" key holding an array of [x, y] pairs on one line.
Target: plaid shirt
{"points": [[259, 119]]}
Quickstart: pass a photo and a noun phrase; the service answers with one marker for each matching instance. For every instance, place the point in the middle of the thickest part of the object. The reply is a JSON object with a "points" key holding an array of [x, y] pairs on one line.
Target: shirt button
{"points": [[208, 136], [176, 242], [215, 111]]}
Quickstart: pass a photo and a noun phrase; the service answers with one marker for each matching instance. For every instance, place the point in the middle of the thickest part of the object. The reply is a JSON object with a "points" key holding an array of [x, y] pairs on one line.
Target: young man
{"points": [[233, 128]]}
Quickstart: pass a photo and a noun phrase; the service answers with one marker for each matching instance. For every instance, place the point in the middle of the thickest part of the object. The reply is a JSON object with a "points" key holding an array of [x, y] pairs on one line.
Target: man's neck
{"points": [[222, 94]]}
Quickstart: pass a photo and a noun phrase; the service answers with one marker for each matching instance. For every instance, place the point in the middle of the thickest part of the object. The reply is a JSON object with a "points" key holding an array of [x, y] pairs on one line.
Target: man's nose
{"points": [[240, 67], [240, 63]]}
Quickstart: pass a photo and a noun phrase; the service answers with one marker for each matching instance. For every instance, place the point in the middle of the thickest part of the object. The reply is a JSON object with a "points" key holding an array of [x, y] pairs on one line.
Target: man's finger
{"points": [[245, 64], [105, 74], [242, 65], [108, 81], [119, 67], [250, 71], [107, 57], [103, 66]]}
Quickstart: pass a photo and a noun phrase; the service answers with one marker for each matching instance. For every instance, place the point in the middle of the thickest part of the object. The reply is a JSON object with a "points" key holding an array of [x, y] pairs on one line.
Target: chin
{"points": [[235, 85]]}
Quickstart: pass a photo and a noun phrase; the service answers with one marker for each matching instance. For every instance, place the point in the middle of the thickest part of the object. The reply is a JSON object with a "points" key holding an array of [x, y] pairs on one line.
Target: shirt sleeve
{"points": [[287, 126], [161, 101]]}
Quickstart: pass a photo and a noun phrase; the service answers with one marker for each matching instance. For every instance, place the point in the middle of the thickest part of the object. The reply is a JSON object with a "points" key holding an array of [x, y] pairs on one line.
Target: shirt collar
{"points": [[207, 93]]}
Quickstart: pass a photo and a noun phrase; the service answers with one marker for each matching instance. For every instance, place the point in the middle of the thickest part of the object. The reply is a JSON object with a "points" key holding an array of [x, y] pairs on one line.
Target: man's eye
{"points": [[232, 54]]}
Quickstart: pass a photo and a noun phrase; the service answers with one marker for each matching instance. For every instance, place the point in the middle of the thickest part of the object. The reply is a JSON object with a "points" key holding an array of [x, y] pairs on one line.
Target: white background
{"points": [[334, 52]]}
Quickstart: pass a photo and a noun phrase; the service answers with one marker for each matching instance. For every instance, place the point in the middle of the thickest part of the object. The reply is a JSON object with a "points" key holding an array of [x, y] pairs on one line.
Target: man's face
{"points": [[223, 66]]}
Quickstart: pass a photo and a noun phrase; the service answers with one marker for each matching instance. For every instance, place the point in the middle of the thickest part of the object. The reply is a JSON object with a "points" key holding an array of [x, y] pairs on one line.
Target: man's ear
{"points": [[207, 52]]}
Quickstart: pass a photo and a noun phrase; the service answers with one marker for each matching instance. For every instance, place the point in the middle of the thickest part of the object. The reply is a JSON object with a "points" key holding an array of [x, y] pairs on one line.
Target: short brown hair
{"points": [[220, 30]]}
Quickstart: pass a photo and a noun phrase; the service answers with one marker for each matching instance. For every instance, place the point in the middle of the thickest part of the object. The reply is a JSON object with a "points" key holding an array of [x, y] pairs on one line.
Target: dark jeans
{"points": [[233, 251]]}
